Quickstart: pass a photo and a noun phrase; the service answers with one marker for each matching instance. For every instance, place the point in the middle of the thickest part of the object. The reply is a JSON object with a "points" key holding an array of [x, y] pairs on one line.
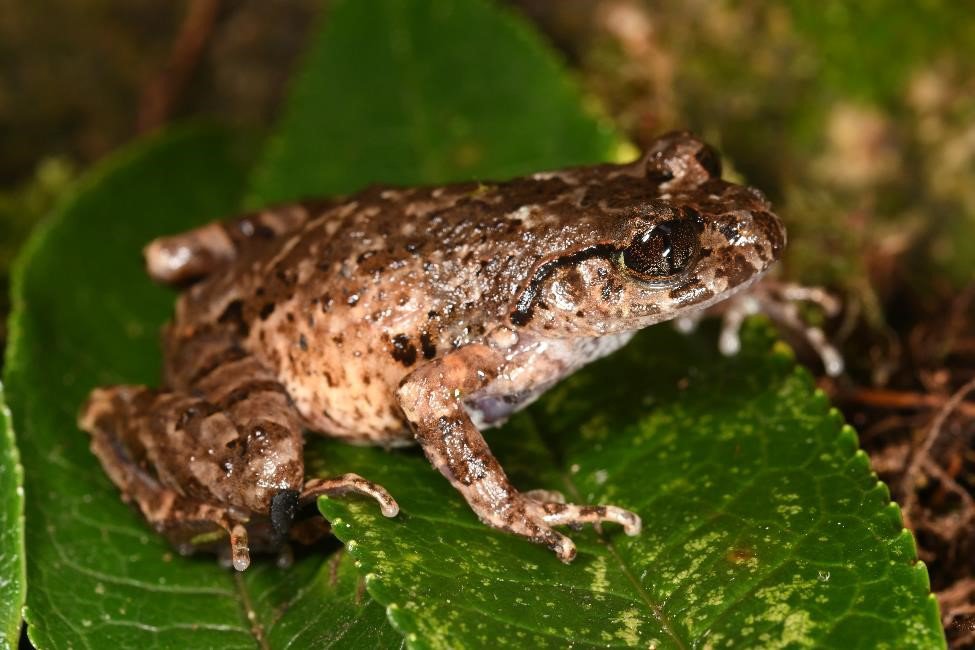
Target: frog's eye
{"points": [[666, 250]]}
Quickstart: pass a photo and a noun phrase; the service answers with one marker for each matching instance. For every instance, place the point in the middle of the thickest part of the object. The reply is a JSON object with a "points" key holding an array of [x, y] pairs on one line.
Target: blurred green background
{"points": [[855, 117]]}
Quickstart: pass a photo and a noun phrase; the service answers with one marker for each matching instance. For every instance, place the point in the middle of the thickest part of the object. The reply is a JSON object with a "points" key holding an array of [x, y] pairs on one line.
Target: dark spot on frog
{"points": [[403, 350], [693, 215], [326, 301], [303, 343], [290, 316], [728, 227], [735, 267], [266, 310], [574, 284], [426, 344], [520, 318], [353, 300], [233, 314], [611, 290], [287, 278]]}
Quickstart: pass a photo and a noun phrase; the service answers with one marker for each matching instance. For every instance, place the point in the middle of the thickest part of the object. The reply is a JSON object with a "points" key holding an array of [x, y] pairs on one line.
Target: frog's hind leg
{"points": [[116, 417], [186, 257], [224, 434]]}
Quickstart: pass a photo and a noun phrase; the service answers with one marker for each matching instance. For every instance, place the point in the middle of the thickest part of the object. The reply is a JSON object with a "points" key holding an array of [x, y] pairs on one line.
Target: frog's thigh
{"points": [[229, 433], [226, 438], [116, 417], [432, 397]]}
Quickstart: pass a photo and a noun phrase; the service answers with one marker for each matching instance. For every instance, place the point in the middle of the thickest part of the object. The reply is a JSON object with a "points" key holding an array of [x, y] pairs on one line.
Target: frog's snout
{"points": [[761, 231], [770, 228], [284, 505]]}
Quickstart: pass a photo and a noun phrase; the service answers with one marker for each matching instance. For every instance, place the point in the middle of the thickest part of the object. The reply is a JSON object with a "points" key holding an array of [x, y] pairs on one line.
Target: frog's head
{"points": [[688, 241]]}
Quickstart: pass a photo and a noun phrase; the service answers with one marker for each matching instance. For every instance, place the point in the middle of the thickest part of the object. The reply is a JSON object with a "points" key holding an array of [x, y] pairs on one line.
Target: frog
{"points": [[401, 316]]}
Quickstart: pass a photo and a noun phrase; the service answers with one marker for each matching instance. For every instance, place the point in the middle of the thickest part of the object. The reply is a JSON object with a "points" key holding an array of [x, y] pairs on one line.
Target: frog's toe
{"points": [[350, 483], [779, 302], [239, 550], [570, 514], [564, 548]]}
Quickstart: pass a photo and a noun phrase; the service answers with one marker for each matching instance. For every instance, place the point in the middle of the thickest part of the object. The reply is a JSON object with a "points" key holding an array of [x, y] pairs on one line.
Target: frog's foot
{"points": [[534, 518], [349, 483], [778, 301]]}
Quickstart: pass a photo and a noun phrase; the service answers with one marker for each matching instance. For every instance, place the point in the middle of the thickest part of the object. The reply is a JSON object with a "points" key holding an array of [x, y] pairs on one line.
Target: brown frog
{"points": [[399, 316]]}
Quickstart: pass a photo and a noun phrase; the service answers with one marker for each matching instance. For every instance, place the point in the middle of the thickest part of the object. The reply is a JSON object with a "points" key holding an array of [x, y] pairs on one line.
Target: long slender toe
{"points": [[351, 483], [239, 551]]}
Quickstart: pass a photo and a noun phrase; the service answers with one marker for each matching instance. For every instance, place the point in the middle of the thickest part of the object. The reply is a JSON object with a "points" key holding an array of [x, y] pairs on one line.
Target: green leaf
{"points": [[409, 92], [763, 524], [13, 582], [87, 315]]}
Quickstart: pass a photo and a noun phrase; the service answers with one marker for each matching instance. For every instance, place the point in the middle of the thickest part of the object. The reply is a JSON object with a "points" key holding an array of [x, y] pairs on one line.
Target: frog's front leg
{"points": [[432, 397]]}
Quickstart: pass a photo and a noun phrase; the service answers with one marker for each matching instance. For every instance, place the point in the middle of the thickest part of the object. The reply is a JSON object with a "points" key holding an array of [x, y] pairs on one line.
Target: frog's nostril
{"points": [[284, 504]]}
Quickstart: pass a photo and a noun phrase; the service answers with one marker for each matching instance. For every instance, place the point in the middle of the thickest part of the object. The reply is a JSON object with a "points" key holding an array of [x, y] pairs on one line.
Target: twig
{"points": [[902, 399], [922, 457], [161, 93]]}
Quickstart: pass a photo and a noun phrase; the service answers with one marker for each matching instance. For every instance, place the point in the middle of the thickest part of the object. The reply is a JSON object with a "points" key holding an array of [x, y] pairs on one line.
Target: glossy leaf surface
{"points": [[763, 523]]}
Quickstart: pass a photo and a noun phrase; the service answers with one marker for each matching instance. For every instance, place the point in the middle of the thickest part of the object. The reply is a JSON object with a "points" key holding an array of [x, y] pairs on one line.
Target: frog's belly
{"points": [[534, 367], [494, 410], [340, 387], [352, 401]]}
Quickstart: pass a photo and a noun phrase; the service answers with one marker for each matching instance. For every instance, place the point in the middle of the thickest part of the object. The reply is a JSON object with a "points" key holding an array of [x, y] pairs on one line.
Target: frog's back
{"points": [[344, 305]]}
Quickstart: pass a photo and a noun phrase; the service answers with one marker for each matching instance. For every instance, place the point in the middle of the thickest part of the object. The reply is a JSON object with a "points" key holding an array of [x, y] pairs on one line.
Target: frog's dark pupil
{"points": [[665, 250]]}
